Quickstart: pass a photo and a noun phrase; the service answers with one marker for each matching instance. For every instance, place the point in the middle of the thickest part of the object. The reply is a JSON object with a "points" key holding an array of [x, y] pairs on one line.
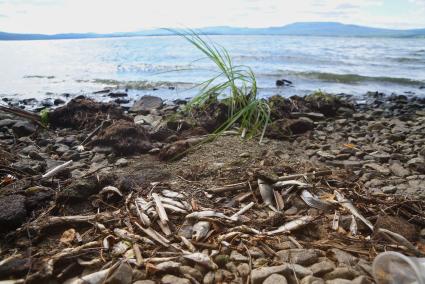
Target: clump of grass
{"points": [[44, 116], [236, 84]]}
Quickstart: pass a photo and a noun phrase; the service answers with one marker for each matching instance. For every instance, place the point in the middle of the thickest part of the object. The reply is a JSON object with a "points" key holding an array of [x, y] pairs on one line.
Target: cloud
{"points": [[56, 16]]}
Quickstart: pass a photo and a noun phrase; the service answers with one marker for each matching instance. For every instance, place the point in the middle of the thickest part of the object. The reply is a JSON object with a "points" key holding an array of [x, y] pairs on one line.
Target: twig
{"points": [[57, 169]]}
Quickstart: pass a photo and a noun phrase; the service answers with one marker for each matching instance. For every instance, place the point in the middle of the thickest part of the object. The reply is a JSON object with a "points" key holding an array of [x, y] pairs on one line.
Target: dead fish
{"points": [[293, 225], [172, 194], [207, 214], [348, 205], [353, 226], [313, 201], [109, 190], [280, 184], [202, 259], [335, 221], [120, 248], [166, 200], [174, 208], [200, 230], [267, 194]]}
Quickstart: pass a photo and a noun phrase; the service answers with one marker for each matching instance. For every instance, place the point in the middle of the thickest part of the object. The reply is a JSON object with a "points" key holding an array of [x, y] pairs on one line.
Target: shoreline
{"points": [[374, 150]]}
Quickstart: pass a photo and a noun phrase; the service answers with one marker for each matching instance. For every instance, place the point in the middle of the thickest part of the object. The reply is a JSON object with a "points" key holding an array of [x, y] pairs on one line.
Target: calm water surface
{"points": [[350, 65]]}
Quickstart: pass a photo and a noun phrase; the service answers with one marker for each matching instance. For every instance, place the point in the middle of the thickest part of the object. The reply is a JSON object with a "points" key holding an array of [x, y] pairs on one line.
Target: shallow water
{"points": [[350, 65]]}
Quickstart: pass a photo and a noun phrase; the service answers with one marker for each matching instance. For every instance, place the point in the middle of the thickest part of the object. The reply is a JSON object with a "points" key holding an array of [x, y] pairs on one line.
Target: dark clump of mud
{"points": [[83, 113], [125, 138]]}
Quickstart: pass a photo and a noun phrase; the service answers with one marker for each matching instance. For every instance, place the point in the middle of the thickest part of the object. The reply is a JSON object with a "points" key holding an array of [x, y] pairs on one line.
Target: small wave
{"points": [[355, 78], [38, 77], [145, 67], [140, 85]]}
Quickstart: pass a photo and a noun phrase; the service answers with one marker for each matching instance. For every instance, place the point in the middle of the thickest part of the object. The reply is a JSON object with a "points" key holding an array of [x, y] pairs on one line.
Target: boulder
{"points": [[275, 279], [146, 104], [23, 128], [12, 212]]}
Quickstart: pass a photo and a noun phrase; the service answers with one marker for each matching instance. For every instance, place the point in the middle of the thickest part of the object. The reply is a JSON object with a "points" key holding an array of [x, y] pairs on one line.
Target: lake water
{"points": [[338, 65]]}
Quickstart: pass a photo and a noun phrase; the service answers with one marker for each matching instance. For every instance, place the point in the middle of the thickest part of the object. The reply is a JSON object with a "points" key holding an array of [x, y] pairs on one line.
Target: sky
{"points": [[105, 16]]}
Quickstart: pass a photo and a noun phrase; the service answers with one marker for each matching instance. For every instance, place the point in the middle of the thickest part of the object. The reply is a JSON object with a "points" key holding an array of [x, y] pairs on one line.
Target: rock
{"points": [[192, 272], [117, 94], [122, 162], [147, 104], [38, 196], [397, 169], [122, 275], [361, 280], [299, 256], [342, 273], [7, 122], [344, 258], [275, 279], [209, 278], [301, 125], [417, 164], [339, 281], [395, 224], [283, 82], [260, 274], [46, 102], [321, 268], [16, 268], [237, 257], [23, 128], [150, 119], [168, 266], [144, 282], [12, 212], [79, 189], [376, 167], [171, 279], [312, 280], [57, 102], [243, 269]]}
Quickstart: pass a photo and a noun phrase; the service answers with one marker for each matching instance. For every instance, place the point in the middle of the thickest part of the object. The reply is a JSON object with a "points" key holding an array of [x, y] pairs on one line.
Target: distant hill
{"points": [[302, 29]]}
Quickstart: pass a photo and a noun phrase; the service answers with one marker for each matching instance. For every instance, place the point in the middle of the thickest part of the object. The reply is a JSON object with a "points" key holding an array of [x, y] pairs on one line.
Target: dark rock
{"points": [[121, 101], [147, 104], [122, 275], [58, 101], [47, 102], [37, 196], [125, 138], [12, 212], [15, 268], [7, 122], [301, 125], [395, 224], [283, 82], [299, 256], [117, 94], [23, 128]]}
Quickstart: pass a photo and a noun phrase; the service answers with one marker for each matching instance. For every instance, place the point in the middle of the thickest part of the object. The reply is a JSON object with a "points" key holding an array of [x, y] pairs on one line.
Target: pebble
{"points": [[341, 272], [275, 279], [321, 268], [171, 279], [312, 280], [299, 256], [397, 169]]}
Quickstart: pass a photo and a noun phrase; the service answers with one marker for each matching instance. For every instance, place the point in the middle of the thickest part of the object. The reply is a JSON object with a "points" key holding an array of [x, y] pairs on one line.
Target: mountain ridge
{"points": [[296, 29]]}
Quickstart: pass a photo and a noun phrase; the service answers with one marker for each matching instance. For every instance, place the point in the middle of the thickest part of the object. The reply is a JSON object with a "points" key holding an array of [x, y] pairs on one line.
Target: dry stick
{"points": [[243, 210], [160, 209], [94, 132], [241, 185], [399, 239], [57, 169]]}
